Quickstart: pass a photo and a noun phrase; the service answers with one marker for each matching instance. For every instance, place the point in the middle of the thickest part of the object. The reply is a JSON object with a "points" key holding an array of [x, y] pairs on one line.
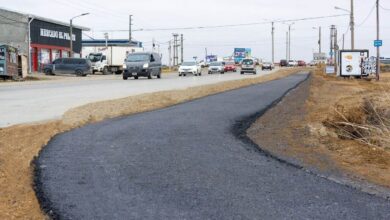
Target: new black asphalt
{"points": [[189, 162]]}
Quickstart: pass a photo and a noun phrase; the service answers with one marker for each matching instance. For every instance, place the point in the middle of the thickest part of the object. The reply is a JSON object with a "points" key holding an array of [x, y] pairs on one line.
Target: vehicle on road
{"points": [[190, 67], [108, 59], [142, 64], [230, 66], [267, 66], [248, 65], [292, 63], [283, 63], [216, 67], [77, 66], [301, 63]]}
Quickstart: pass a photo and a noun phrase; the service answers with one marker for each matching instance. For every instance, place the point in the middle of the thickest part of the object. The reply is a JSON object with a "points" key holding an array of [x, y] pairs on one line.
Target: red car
{"points": [[230, 67], [301, 63]]}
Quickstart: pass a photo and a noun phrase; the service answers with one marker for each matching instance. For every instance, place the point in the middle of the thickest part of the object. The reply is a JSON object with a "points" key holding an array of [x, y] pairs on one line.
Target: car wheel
{"points": [[47, 71], [184, 74], [135, 77], [105, 71], [254, 73], [93, 72], [125, 77], [79, 73], [150, 76], [242, 73], [159, 76]]}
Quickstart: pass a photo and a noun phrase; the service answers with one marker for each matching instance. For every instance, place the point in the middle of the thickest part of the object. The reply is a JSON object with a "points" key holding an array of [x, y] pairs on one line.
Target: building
{"points": [[41, 39]]}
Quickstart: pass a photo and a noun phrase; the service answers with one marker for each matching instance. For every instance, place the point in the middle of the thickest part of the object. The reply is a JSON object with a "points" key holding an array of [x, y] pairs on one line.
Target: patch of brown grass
{"points": [[20, 144]]}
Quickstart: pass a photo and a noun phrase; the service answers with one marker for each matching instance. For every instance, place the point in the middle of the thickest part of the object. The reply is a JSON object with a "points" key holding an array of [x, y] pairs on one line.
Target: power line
{"points": [[228, 25], [387, 9], [368, 16]]}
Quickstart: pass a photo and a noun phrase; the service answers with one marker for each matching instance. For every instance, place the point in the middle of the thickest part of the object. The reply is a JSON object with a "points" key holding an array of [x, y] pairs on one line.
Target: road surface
{"points": [[188, 162], [46, 100]]}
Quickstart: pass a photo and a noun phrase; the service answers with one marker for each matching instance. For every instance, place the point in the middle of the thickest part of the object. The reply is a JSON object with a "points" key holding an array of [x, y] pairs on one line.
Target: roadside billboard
{"points": [[211, 58], [319, 58], [352, 62], [241, 53]]}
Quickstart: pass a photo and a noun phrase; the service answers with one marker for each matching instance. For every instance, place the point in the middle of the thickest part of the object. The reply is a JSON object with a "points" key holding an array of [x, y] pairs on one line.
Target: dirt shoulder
{"points": [[326, 127], [20, 144]]}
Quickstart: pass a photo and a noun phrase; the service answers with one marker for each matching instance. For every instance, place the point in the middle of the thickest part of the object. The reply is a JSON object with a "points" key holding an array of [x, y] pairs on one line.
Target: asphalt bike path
{"points": [[189, 161]]}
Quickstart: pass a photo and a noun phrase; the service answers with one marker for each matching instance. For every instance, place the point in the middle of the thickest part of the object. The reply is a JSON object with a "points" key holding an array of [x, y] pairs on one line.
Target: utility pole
{"points": [[170, 55], [130, 24], [273, 43], [287, 46], [175, 50], [332, 43], [289, 42], [71, 38], [378, 66], [106, 39], [319, 41], [336, 49], [182, 47], [352, 24]]}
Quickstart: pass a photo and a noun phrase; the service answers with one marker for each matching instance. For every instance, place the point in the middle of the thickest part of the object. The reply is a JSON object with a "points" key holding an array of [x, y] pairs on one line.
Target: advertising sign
{"points": [[46, 33], [211, 58], [241, 53], [2, 60], [319, 57], [352, 62]]}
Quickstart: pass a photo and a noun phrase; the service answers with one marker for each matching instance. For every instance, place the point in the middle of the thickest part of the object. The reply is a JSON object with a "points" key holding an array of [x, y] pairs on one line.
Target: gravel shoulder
{"points": [[294, 132]]}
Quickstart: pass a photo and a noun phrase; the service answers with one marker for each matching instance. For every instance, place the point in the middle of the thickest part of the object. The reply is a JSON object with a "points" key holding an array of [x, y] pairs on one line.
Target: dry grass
{"points": [[20, 144]]}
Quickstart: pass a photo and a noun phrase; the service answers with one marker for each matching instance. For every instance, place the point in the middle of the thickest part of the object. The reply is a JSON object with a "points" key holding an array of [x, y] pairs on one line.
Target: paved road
{"points": [[184, 162], [45, 100]]}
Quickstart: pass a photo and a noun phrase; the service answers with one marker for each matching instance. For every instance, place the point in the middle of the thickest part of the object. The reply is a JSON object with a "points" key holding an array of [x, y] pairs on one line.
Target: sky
{"points": [[113, 15]]}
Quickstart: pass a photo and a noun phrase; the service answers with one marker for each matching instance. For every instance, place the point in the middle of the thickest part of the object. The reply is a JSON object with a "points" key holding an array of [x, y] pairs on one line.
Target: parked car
{"points": [[248, 66], [142, 64], [78, 66], [191, 67], [216, 67], [283, 63], [230, 67], [301, 63], [312, 63], [267, 66]]}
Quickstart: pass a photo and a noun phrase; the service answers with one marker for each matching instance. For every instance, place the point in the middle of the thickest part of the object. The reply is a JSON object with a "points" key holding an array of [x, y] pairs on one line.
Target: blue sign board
{"points": [[378, 43]]}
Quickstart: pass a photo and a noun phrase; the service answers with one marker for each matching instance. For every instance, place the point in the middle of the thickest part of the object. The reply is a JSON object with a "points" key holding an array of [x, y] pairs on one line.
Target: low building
{"points": [[41, 39]]}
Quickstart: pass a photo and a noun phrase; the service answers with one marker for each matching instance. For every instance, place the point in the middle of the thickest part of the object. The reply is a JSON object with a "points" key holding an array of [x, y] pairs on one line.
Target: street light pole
{"points": [[71, 32], [320, 41], [378, 67]]}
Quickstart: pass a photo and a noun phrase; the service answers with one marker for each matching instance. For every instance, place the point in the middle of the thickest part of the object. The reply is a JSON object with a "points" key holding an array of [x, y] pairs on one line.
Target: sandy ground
{"points": [[20, 144], [297, 130]]}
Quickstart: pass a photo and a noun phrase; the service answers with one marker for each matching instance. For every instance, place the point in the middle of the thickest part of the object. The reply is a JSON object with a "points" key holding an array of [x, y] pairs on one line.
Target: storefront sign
{"points": [[56, 34], [51, 34]]}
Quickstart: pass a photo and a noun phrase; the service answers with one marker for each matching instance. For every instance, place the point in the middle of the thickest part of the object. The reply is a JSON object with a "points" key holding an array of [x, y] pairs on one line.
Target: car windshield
{"points": [[230, 63], [216, 64], [94, 57], [247, 62], [137, 57], [188, 64]]}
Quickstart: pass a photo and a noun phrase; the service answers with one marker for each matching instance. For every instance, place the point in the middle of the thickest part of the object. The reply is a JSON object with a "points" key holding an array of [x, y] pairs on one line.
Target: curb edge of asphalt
{"points": [[239, 129]]}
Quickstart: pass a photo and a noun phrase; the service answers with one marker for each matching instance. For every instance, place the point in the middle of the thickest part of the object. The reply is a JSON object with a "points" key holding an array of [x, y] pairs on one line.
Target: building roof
{"points": [[31, 16], [110, 42]]}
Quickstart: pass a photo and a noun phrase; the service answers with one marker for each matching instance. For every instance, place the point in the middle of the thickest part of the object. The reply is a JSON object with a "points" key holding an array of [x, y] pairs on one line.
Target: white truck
{"points": [[108, 60]]}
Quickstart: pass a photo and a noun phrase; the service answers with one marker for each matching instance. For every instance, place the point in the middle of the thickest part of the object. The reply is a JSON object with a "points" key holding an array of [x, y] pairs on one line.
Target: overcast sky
{"points": [[113, 15]]}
